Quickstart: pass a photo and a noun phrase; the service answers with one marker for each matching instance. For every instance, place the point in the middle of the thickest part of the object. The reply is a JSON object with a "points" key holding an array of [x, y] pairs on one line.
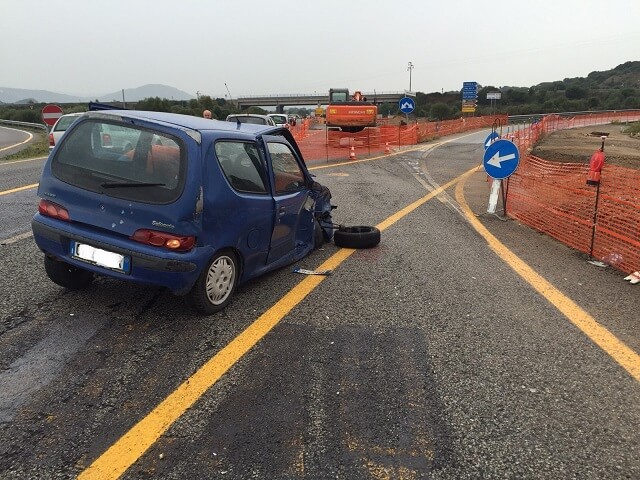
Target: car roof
{"points": [[183, 121], [67, 115]]}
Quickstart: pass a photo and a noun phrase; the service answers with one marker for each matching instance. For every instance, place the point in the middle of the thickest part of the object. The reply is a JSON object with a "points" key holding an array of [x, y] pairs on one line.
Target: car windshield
{"points": [[119, 159]]}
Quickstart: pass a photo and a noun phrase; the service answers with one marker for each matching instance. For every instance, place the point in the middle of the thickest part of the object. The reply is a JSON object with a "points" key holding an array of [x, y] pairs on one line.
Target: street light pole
{"points": [[410, 67]]}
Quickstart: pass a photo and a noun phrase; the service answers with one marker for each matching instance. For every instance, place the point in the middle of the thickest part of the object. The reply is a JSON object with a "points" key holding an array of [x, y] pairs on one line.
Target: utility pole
{"points": [[225, 86], [198, 95], [410, 67]]}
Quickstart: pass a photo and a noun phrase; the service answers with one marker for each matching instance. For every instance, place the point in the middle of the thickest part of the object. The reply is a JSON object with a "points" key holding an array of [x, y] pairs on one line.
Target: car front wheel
{"points": [[217, 283], [65, 275]]}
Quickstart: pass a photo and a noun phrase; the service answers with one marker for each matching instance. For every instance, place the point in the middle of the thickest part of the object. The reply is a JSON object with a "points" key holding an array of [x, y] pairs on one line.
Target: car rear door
{"points": [[293, 224]]}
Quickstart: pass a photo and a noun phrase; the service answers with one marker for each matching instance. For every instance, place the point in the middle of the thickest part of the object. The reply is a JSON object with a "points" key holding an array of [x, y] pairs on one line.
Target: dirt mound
{"points": [[576, 145]]}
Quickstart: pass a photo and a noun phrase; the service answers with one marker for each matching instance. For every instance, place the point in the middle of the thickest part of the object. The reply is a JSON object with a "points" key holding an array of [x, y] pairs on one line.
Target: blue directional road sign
{"points": [[469, 90], [493, 136], [501, 159], [407, 105]]}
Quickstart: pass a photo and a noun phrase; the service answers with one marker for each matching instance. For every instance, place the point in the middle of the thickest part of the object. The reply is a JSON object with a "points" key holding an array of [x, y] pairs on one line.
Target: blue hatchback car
{"points": [[195, 205]]}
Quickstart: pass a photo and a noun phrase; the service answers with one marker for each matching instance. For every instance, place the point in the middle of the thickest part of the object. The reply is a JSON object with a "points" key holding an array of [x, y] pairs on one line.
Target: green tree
{"points": [[440, 111], [576, 93]]}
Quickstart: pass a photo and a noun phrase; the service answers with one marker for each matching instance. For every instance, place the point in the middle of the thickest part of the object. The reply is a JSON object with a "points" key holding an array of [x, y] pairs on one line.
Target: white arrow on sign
{"points": [[489, 142], [496, 160], [406, 105]]}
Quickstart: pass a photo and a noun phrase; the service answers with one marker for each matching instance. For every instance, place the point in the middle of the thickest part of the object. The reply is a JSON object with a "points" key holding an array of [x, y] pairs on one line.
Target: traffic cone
{"points": [[386, 148], [352, 155]]}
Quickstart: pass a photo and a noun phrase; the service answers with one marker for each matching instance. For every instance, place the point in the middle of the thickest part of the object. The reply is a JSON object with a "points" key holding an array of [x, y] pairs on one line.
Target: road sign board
{"points": [[493, 136], [469, 90], [51, 114], [494, 95], [501, 159], [407, 105]]}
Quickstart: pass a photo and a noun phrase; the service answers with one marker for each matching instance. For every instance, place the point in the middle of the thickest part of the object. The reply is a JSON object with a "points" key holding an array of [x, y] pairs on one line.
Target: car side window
{"points": [[242, 166], [287, 173]]}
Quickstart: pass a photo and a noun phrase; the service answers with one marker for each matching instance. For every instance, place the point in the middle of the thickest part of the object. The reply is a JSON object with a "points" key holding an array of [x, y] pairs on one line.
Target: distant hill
{"points": [[626, 75], [23, 96]]}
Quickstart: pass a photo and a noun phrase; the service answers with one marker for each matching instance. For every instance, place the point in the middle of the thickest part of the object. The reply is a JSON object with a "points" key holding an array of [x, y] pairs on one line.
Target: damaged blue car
{"points": [[195, 205]]}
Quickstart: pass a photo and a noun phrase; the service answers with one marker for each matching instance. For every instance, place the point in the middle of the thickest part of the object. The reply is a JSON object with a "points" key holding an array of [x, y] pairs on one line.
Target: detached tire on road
{"points": [[357, 237]]}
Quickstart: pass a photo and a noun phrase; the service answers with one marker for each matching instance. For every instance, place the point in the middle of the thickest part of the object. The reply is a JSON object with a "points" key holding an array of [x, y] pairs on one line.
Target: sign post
{"points": [[407, 105], [501, 158]]}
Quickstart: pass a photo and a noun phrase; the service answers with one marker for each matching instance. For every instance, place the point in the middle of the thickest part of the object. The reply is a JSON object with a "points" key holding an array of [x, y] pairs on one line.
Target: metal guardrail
{"points": [[40, 126]]}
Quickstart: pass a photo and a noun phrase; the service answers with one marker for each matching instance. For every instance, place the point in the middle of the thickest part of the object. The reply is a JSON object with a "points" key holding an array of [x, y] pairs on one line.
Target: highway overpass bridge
{"points": [[280, 101]]}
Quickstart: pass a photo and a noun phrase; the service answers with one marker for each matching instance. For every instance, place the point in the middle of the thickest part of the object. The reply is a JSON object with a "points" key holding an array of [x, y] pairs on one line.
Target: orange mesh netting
{"points": [[554, 198]]}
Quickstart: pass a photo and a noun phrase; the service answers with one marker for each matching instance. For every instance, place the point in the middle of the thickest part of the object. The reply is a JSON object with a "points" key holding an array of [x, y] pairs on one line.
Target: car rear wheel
{"points": [[67, 276], [357, 237], [217, 283]]}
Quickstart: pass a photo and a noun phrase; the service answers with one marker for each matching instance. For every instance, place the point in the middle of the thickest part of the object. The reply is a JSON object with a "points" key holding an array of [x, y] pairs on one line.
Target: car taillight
{"points": [[52, 142], [106, 140], [162, 239], [53, 210]]}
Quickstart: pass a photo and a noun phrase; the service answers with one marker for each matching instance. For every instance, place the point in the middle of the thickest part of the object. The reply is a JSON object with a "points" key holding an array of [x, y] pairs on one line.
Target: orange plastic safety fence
{"points": [[555, 199], [333, 145]]}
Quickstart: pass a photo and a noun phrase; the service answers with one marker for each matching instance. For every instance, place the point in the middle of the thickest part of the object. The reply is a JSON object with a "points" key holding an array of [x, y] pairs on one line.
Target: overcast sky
{"points": [[87, 47]]}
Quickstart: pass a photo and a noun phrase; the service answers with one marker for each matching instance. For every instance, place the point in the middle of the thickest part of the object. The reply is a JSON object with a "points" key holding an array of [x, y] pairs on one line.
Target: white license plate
{"points": [[99, 257]]}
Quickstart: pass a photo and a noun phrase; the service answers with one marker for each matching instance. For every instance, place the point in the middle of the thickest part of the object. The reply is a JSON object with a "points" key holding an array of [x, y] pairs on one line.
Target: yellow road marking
{"points": [[122, 454], [18, 189], [11, 162], [616, 349]]}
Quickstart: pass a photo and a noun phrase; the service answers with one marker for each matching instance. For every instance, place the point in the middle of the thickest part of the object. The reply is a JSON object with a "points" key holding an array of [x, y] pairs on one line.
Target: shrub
{"points": [[632, 129]]}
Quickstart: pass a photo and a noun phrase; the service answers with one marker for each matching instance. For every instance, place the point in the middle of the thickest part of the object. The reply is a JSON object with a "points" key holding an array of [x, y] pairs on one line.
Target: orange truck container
{"points": [[350, 113]]}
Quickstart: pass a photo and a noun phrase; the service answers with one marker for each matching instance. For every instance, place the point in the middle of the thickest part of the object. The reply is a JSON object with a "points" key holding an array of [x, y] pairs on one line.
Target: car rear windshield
{"points": [[254, 120], [122, 161], [65, 122]]}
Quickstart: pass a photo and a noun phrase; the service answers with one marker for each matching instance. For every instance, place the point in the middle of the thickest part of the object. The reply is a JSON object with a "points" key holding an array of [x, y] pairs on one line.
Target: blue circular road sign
{"points": [[407, 105], [493, 136], [501, 159]]}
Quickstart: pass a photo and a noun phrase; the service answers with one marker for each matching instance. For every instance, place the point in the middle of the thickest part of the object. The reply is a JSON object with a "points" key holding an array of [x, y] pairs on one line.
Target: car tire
{"points": [[357, 237], [217, 283], [318, 235], [66, 275]]}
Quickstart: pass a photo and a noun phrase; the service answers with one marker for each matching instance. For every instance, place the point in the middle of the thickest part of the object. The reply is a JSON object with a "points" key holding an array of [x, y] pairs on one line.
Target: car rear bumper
{"points": [[176, 271]]}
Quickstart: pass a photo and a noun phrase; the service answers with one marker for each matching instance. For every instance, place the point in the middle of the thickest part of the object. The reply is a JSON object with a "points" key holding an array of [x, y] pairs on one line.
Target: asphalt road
{"points": [[429, 356], [13, 139]]}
